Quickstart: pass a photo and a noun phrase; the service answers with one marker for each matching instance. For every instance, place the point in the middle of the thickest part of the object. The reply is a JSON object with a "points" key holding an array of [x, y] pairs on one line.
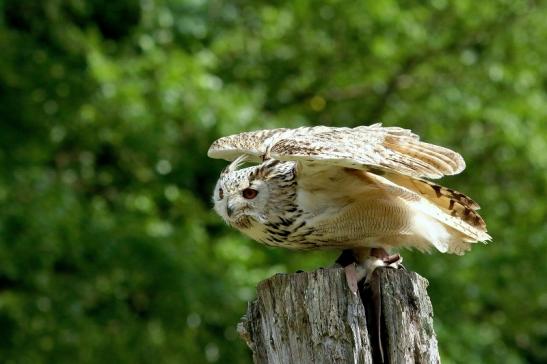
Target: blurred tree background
{"points": [[109, 249]]}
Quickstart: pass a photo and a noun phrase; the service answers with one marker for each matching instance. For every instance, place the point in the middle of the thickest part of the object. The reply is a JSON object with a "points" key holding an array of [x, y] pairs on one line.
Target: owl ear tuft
{"points": [[232, 167]]}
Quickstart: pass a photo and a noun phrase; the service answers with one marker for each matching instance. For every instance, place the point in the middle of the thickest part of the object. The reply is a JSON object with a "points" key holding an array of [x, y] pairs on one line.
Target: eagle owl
{"points": [[361, 189]]}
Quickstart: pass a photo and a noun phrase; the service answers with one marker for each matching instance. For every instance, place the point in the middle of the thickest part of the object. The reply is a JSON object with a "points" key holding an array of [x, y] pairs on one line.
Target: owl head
{"points": [[241, 196]]}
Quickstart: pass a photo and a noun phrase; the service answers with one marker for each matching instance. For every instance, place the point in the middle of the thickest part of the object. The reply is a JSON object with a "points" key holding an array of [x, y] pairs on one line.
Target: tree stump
{"points": [[315, 318]]}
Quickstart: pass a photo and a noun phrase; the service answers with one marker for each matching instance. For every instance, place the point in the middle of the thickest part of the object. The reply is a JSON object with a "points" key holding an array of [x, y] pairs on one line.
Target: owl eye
{"points": [[249, 193], [220, 193]]}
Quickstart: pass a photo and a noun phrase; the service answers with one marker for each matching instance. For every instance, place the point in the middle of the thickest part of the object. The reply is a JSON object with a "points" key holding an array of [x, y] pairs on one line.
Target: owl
{"points": [[361, 190]]}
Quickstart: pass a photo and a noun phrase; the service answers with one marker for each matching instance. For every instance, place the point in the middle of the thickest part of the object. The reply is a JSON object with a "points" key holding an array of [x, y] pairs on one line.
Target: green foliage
{"points": [[109, 249]]}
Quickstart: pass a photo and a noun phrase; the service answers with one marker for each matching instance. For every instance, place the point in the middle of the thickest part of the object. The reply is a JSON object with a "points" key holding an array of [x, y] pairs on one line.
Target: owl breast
{"points": [[329, 209]]}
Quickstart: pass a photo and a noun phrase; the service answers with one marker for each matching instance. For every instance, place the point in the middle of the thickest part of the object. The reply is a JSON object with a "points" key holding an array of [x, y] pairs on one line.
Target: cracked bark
{"points": [[315, 318]]}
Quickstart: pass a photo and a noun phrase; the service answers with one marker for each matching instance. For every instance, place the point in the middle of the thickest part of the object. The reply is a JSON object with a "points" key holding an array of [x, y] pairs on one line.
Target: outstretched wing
{"points": [[390, 148]]}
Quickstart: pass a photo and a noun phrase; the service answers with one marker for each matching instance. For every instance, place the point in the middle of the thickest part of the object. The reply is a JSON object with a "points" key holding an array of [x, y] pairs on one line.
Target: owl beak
{"points": [[229, 210]]}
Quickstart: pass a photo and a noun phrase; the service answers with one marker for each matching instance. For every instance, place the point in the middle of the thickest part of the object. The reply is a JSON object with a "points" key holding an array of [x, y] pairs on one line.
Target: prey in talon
{"points": [[366, 260], [365, 190]]}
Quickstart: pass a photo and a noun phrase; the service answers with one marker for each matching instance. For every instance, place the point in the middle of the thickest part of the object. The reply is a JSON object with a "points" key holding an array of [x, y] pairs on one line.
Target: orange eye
{"points": [[220, 193], [249, 193]]}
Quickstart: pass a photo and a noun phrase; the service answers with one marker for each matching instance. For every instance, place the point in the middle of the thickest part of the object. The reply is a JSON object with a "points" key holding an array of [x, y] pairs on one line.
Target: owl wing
{"points": [[443, 204], [395, 160], [390, 148], [251, 143]]}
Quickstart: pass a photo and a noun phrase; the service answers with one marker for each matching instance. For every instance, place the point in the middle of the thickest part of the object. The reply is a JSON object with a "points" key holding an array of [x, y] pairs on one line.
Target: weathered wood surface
{"points": [[407, 317], [315, 318]]}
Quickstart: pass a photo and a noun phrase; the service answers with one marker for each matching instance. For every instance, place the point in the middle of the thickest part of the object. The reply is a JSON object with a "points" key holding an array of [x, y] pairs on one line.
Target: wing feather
{"points": [[392, 148], [251, 143], [450, 201], [466, 220]]}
